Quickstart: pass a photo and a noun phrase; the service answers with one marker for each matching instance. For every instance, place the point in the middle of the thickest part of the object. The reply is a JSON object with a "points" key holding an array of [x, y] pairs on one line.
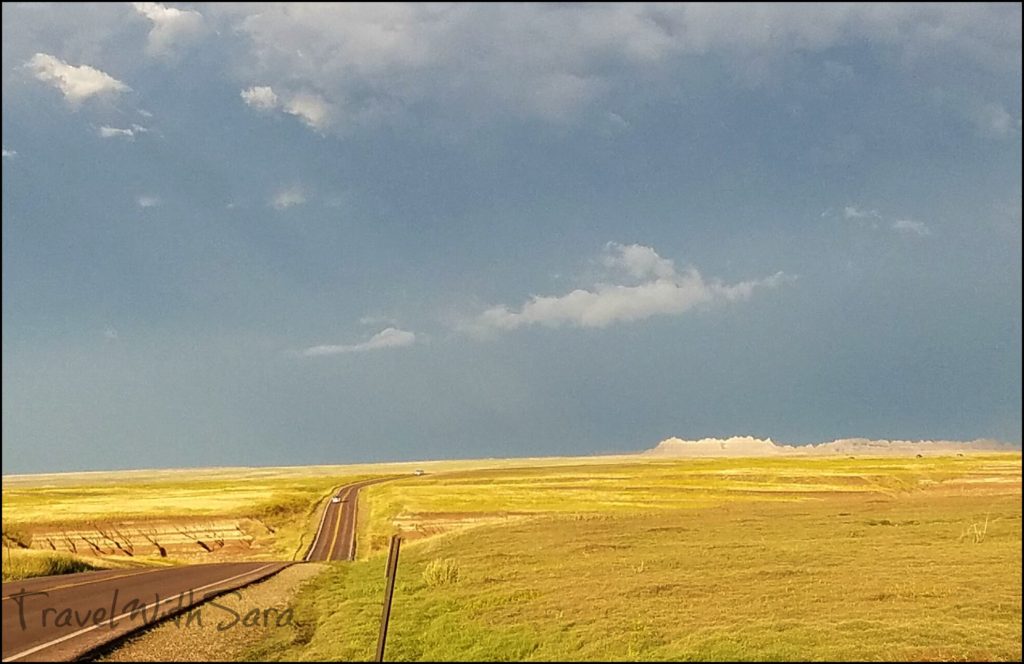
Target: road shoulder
{"points": [[223, 629]]}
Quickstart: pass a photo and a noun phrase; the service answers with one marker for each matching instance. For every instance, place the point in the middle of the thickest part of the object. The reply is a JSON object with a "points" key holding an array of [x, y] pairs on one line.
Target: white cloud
{"points": [[662, 290], [171, 26], [130, 133], [110, 333], [76, 83], [854, 212], [112, 132], [145, 201], [311, 109], [9, 154], [911, 227], [387, 338], [287, 198], [638, 260], [378, 60], [260, 97]]}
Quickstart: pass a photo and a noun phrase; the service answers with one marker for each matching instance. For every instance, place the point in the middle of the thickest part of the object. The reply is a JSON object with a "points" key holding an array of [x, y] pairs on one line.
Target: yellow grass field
{"points": [[751, 559], [166, 516], [104, 519], [629, 558]]}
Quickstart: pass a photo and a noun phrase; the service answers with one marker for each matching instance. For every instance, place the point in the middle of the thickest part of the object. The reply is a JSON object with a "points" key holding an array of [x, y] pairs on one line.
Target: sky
{"points": [[300, 234]]}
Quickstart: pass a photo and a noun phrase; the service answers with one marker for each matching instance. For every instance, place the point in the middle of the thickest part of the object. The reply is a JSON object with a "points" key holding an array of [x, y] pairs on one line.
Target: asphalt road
{"points": [[336, 537], [61, 618]]}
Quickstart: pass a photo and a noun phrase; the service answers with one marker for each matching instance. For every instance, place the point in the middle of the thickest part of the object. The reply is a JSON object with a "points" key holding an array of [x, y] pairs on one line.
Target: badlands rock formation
{"points": [[762, 447]]}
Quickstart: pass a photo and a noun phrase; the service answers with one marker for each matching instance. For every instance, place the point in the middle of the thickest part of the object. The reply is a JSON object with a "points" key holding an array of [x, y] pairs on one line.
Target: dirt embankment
{"points": [[183, 540]]}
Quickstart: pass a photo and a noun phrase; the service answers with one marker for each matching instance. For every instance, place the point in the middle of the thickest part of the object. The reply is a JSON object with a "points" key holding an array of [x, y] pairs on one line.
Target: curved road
{"points": [[336, 537], [61, 618]]}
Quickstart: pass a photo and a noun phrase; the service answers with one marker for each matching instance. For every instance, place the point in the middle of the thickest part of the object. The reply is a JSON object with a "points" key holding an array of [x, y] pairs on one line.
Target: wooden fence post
{"points": [[392, 570]]}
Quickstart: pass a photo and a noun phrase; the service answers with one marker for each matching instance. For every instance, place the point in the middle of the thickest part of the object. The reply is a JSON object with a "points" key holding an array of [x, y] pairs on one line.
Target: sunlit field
{"points": [[628, 558], [163, 517], [106, 519], [891, 559]]}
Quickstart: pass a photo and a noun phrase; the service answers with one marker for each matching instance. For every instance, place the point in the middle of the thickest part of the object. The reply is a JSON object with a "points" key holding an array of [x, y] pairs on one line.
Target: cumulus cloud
{"points": [[146, 201], [76, 83], [389, 337], [9, 154], [287, 198], [260, 97], [639, 261], [377, 60], [130, 133], [912, 227], [662, 290], [172, 27], [311, 109]]}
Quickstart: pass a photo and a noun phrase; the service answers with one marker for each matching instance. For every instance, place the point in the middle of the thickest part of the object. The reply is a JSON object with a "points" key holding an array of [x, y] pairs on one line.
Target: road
{"points": [[62, 618], [336, 537]]}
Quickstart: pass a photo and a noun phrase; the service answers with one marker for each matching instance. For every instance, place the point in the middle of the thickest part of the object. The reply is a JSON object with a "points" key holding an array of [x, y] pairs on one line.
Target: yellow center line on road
{"points": [[337, 524], [85, 583], [345, 493], [320, 527]]}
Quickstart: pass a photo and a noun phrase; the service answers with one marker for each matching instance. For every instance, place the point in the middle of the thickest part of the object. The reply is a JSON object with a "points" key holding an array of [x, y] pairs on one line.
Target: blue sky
{"points": [[261, 234]]}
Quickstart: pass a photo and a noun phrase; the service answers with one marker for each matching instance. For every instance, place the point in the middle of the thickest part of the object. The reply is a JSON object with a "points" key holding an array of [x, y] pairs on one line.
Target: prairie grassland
{"points": [[214, 497], [752, 559], [74, 498], [184, 515], [234, 515], [428, 505]]}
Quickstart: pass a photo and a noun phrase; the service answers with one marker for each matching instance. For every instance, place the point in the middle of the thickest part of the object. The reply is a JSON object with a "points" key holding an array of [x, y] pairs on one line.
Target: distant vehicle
{"points": [[336, 499], [419, 471]]}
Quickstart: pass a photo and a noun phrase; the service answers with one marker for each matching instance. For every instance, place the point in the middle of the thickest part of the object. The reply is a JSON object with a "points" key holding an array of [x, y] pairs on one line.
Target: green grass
{"points": [[440, 572], [727, 559], [23, 564]]}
